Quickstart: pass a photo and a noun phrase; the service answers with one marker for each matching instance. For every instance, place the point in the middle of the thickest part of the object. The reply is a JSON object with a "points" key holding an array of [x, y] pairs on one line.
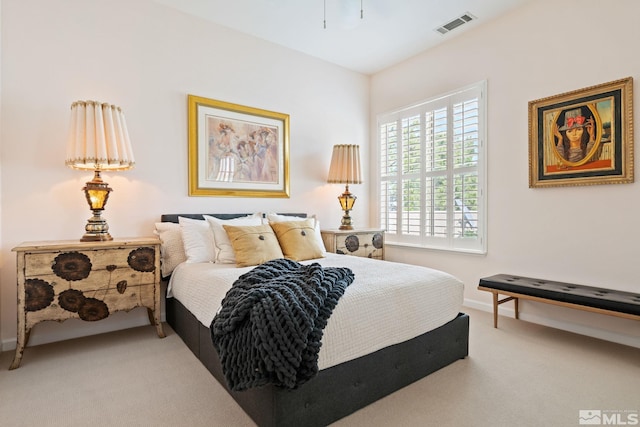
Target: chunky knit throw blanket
{"points": [[271, 322]]}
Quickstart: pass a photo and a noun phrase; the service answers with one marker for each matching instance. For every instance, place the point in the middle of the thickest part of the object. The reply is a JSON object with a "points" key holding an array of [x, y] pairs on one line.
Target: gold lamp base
{"points": [[97, 192], [97, 229], [347, 200], [346, 222]]}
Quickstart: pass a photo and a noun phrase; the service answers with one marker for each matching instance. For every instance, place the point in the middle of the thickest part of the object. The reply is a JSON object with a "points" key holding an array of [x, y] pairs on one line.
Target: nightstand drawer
{"points": [[368, 243]]}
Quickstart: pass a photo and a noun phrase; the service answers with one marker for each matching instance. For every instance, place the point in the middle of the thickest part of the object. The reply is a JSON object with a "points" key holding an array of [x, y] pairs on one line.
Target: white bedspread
{"points": [[387, 303]]}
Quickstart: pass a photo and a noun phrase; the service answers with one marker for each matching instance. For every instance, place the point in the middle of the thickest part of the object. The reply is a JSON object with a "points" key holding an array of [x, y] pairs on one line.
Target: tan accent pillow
{"points": [[298, 239], [274, 217], [253, 244], [223, 250]]}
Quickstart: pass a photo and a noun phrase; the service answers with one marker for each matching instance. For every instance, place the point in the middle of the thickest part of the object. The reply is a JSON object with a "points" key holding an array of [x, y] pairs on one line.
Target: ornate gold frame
{"points": [[211, 121], [605, 155]]}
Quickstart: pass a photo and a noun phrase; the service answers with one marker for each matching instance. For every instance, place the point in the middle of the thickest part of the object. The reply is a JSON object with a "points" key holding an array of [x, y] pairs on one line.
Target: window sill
{"points": [[481, 252]]}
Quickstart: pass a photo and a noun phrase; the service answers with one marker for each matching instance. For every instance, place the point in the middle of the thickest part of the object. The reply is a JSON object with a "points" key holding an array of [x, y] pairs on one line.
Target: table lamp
{"points": [[98, 141], [345, 169]]}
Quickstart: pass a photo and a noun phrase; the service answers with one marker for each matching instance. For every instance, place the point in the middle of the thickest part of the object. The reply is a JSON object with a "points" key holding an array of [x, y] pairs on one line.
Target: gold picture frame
{"points": [[237, 151], [583, 137]]}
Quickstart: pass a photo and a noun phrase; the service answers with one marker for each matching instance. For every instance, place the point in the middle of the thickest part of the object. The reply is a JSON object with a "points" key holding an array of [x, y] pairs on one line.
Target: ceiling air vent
{"points": [[455, 23]]}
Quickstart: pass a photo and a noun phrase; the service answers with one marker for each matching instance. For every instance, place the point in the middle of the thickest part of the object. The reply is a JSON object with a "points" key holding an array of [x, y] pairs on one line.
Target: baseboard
{"points": [[48, 332], [612, 336], [79, 331], [7, 345]]}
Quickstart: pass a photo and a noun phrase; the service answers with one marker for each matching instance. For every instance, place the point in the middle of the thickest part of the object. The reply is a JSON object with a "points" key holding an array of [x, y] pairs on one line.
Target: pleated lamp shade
{"points": [[345, 165], [98, 138]]}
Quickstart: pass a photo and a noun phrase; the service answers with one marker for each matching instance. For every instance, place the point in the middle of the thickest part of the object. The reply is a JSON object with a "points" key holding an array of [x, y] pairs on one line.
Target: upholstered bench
{"points": [[597, 300]]}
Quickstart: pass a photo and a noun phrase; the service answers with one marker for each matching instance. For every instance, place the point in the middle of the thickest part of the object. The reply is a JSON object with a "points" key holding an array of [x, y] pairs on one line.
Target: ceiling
{"points": [[389, 32]]}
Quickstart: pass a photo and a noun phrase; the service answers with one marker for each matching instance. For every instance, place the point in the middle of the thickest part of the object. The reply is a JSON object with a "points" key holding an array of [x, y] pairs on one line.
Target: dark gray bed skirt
{"points": [[339, 390]]}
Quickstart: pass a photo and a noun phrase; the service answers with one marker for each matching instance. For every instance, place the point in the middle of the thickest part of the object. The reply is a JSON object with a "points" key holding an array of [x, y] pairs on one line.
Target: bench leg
{"points": [[497, 302], [495, 309]]}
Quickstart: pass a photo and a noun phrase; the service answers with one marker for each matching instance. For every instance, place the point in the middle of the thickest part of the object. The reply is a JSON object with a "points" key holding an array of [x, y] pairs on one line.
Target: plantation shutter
{"points": [[431, 164]]}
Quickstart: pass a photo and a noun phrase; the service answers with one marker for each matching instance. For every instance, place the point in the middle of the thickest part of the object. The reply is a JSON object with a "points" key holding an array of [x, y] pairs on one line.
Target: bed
{"points": [[355, 369]]}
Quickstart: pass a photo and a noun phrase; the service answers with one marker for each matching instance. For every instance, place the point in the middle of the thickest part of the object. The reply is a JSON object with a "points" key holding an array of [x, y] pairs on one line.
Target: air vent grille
{"points": [[455, 23]]}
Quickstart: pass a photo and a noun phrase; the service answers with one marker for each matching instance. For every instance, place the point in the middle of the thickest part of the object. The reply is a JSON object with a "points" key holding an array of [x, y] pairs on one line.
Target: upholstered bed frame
{"points": [[336, 391]]}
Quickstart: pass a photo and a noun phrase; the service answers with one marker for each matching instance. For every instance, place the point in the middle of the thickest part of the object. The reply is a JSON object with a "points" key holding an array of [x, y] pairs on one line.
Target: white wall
{"points": [[146, 58], [584, 235], [0, 168]]}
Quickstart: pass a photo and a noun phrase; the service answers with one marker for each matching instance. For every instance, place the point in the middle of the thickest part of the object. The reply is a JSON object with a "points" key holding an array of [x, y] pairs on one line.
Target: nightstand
{"points": [[60, 280], [364, 242]]}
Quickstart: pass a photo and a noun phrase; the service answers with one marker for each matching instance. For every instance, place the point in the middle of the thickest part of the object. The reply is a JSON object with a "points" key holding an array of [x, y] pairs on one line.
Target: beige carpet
{"points": [[519, 375]]}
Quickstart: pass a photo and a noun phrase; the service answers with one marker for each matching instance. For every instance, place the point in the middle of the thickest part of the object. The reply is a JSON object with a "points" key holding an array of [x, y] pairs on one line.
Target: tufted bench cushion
{"points": [[606, 301]]}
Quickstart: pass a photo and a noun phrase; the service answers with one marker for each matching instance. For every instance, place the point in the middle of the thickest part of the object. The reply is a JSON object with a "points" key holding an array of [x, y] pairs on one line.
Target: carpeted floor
{"points": [[519, 375]]}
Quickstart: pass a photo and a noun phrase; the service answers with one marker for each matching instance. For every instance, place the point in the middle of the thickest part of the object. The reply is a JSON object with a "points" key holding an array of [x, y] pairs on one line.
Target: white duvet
{"points": [[386, 304]]}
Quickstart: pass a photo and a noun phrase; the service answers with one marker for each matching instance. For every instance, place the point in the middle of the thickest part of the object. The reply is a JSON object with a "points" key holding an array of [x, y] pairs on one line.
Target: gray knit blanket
{"points": [[270, 326]]}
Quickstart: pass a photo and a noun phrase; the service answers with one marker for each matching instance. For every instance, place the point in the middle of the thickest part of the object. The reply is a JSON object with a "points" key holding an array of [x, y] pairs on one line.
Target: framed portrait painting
{"points": [[584, 137], [237, 151]]}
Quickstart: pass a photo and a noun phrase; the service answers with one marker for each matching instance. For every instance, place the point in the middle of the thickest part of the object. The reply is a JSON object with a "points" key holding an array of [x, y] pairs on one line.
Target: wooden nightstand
{"points": [[364, 242], [60, 280]]}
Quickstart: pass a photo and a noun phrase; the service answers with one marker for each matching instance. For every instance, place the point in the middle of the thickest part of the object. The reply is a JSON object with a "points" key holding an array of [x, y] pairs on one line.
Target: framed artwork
{"points": [[584, 137], [237, 151]]}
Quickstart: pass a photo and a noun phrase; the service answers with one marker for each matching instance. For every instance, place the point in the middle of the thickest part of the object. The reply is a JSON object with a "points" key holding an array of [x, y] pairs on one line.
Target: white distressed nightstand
{"points": [[60, 280], [364, 242]]}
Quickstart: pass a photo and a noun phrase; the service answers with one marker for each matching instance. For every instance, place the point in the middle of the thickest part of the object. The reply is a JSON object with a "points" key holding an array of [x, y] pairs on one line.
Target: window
{"points": [[432, 172]]}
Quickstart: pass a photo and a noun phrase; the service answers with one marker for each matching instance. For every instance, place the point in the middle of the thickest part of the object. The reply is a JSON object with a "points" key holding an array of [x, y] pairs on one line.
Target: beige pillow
{"points": [[223, 250], [298, 239], [273, 217], [253, 244]]}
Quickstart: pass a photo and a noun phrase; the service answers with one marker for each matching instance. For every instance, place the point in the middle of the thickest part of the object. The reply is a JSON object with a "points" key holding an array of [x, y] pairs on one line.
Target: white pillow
{"points": [[171, 246], [224, 253], [197, 239], [273, 217]]}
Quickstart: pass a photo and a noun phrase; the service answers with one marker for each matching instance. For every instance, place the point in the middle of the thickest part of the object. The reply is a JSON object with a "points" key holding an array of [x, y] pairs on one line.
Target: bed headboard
{"points": [[174, 217]]}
